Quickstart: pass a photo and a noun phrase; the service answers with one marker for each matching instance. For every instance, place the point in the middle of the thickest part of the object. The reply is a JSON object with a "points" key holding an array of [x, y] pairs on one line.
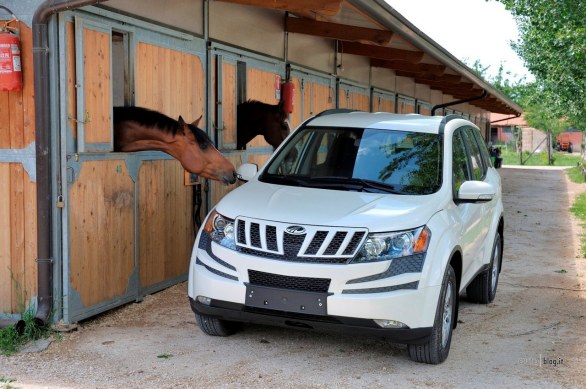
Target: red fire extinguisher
{"points": [[288, 96], [10, 66]]}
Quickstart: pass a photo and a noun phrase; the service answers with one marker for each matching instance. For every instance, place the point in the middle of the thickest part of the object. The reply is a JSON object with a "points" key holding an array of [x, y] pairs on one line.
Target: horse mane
{"points": [[255, 105], [157, 120]]}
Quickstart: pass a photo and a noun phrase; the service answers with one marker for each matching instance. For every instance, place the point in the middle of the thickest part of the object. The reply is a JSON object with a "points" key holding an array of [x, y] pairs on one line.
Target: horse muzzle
{"points": [[228, 179]]}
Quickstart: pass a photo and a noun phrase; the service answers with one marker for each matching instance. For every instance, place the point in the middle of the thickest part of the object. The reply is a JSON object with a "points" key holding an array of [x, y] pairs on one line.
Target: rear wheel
{"points": [[437, 348], [483, 288], [215, 326]]}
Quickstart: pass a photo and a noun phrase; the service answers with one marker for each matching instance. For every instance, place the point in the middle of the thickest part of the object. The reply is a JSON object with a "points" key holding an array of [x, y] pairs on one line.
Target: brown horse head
{"points": [[198, 155], [257, 118], [141, 129]]}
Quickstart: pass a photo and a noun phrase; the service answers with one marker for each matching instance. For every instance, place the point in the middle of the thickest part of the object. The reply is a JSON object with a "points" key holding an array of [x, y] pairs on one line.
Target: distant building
{"points": [[514, 132]]}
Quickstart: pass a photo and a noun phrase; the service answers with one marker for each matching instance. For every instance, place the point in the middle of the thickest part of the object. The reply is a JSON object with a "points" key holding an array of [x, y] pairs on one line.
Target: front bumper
{"points": [[241, 313]]}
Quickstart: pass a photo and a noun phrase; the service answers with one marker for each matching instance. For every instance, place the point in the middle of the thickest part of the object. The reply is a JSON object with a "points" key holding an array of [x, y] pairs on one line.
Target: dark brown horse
{"points": [[141, 129], [257, 118]]}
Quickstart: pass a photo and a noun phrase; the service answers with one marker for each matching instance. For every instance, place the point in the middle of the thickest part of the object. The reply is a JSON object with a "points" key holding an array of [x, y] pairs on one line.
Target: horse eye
{"points": [[203, 145]]}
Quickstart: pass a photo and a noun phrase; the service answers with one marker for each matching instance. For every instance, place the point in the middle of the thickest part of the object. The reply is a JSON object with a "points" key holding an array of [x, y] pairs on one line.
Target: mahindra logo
{"points": [[295, 230]]}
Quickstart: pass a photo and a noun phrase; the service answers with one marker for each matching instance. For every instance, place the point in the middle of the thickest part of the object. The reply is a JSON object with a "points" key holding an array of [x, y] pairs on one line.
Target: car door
{"points": [[488, 208], [468, 164]]}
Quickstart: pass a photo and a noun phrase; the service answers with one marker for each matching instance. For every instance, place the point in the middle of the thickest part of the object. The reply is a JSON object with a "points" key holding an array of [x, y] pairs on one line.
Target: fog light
{"points": [[204, 300], [390, 323]]}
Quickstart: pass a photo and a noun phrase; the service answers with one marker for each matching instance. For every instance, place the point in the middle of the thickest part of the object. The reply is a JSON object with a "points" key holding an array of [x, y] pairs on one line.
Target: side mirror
{"points": [[476, 191], [246, 171]]}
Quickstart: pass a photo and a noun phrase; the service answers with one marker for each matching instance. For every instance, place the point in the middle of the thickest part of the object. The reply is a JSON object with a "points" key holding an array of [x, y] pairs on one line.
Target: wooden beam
{"points": [[463, 90], [338, 31], [322, 7], [381, 52], [406, 66], [424, 77], [444, 79]]}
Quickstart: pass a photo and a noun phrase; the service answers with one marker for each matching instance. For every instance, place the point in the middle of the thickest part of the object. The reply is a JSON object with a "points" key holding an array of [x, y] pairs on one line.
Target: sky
{"points": [[469, 30]]}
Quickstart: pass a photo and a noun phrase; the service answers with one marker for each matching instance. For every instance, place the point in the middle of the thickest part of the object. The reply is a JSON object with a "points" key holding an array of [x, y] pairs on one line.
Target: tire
{"points": [[570, 148], [482, 289], [215, 326], [437, 348]]}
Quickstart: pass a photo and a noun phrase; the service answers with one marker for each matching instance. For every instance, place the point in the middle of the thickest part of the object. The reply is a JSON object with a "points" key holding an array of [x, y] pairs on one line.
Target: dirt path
{"points": [[533, 335]]}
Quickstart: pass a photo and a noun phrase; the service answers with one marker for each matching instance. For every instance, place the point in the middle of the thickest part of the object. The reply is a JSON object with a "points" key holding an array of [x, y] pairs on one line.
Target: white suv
{"points": [[370, 222]]}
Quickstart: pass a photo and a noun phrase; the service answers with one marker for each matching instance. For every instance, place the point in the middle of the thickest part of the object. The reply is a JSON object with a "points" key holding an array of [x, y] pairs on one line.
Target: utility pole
{"points": [[549, 157]]}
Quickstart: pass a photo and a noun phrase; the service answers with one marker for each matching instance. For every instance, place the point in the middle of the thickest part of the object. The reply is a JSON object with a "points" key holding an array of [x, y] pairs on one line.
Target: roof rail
{"points": [[336, 110]]}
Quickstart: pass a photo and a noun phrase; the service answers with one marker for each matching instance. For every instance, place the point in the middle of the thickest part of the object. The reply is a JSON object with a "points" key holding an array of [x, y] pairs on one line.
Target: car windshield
{"points": [[369, 160]]}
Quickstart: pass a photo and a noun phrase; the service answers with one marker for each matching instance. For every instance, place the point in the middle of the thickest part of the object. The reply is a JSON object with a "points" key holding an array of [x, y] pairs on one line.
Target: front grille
{"points": [[293, 315], [306, 284], [307, 243]]}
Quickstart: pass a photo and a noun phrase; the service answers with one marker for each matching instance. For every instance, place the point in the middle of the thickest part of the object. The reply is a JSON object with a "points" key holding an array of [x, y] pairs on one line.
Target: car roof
{"points": [[378, 120]]}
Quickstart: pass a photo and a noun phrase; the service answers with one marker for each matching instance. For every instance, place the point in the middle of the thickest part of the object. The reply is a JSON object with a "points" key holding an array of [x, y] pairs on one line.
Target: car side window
{"points": [[483, 148], [459, 161], [478, 169]]}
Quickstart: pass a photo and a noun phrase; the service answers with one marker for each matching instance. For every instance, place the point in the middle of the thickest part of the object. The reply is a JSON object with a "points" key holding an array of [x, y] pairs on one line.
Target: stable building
{"points": [[84, 229]]}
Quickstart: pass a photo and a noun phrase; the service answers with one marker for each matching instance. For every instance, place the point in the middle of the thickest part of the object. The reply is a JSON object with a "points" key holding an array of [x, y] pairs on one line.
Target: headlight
{"points": [[220, 229], [389, 245]]}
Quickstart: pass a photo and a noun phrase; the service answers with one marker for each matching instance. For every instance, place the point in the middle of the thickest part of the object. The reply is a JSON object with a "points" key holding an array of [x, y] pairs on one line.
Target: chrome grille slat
{"points": [[318, 244]]}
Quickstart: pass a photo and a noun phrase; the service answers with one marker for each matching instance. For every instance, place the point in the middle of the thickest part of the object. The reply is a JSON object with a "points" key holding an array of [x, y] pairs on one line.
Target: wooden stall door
{"points": [[313, 94], [257, 82], [170, 81], [93, 85], [423, 108], [261, 86], [99, 240], [101, 243], [405, 104], [383, 101], [353, 97], [224, 94], [18, 203]]}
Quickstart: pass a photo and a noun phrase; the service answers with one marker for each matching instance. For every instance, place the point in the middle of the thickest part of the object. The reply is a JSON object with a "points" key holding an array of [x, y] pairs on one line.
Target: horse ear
{"points": [[196, 122], [182, 124]]}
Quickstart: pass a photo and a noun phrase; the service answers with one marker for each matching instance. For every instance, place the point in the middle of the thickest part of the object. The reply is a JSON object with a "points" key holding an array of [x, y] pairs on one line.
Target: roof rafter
{"points": [[303, 7], [380, 52], [338, 31], [408, 67]]}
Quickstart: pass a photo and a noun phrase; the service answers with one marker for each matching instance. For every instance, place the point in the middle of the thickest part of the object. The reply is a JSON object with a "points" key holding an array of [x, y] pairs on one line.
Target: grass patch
{"points": [[11, 340], [575, 175], [579, 209], [538, 159], [5, 383]]}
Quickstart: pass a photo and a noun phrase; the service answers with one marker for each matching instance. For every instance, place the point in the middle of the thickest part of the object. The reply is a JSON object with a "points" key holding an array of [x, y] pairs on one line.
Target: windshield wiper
{"points": [[355, 184], [284, 180]]}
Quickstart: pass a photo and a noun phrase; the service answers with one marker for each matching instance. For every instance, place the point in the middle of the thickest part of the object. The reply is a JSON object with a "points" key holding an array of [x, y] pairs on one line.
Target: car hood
{"points": [[299, 205]]}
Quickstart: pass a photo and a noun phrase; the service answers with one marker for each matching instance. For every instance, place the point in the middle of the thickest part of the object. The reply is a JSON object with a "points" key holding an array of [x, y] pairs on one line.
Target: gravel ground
{"points": [[531, 336]]}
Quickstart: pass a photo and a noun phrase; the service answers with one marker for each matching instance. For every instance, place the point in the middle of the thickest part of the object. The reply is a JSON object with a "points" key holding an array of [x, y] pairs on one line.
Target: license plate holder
{"points": [[288, 300]]}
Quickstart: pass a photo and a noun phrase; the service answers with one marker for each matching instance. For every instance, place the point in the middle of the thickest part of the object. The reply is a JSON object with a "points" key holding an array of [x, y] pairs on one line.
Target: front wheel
{"points": [[215, 326], [437, 348]]}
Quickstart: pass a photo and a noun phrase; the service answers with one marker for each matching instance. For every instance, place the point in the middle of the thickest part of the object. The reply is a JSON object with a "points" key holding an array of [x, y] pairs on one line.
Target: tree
{"points": [[552, 44]]}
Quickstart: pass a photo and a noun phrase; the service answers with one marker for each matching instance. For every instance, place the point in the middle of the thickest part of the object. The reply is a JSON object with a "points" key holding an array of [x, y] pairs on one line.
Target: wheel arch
{"points": [[456, 264], [501, 231]]}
